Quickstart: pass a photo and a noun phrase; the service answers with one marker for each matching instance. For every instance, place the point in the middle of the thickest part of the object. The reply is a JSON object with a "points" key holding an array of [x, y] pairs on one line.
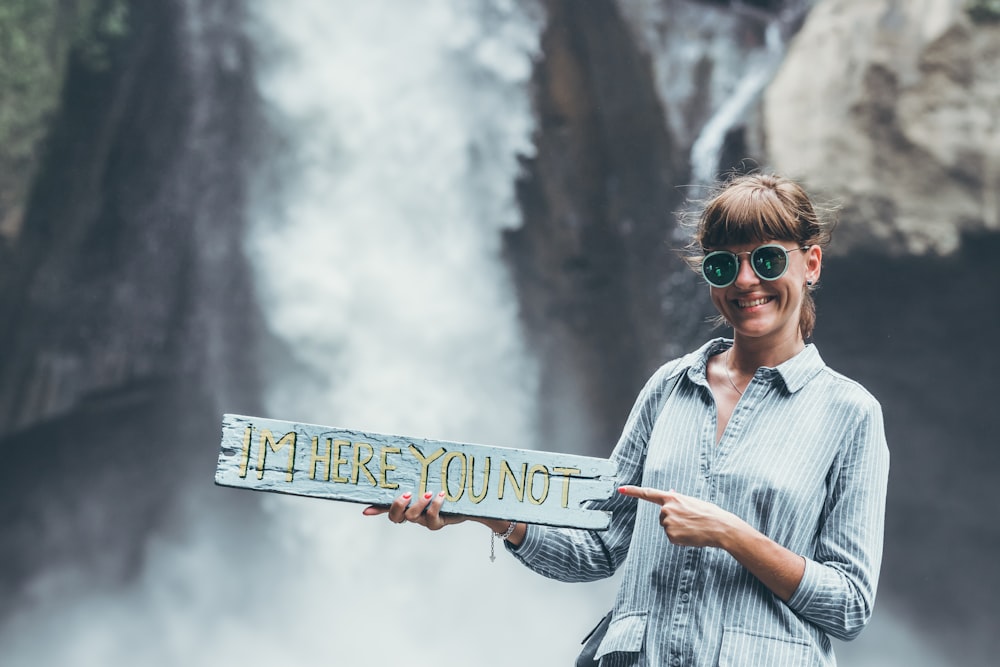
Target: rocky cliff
{"points": [[125, 305], [890, 108], [593, 254], [130, 250]]}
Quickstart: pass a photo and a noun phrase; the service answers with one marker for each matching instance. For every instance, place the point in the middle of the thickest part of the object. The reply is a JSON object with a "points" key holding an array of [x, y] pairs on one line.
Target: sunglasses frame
{"points": [[736, 257]]}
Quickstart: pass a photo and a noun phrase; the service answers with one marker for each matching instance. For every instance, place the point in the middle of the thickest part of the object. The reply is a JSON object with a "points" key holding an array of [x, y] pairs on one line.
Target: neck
{"points": [[749, 354]]}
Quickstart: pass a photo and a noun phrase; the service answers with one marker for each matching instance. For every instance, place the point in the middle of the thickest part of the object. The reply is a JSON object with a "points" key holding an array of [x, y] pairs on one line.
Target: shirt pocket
{"points": [[742, 648], [626, 633]]}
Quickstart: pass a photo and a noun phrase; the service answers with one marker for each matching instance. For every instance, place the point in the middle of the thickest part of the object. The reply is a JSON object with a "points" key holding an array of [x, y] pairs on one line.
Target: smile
{"points": [[755, 302]]}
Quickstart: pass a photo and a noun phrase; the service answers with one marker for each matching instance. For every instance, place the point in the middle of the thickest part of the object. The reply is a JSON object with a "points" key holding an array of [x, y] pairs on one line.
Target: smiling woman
{"points": [[751, 446]]}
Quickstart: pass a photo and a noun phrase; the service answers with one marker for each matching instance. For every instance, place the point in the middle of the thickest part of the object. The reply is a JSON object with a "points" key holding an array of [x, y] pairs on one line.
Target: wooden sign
{"points": [[371, 468]]}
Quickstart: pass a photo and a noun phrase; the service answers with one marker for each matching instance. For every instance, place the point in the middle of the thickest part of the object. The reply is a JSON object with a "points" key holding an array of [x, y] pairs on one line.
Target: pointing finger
{"points": [[645, 493]]}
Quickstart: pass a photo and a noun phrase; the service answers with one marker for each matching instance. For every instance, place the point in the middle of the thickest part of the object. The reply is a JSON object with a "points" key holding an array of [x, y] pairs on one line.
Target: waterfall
{"points": [[760, 69], [378, 261], [377, 254]]}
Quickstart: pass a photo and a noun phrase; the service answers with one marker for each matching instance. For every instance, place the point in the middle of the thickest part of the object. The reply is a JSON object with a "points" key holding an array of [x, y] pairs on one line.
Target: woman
{"points": [[764, 470]]}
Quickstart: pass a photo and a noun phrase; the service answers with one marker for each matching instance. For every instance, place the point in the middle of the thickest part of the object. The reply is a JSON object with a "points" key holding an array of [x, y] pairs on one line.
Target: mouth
{"points": [[752, 303]]}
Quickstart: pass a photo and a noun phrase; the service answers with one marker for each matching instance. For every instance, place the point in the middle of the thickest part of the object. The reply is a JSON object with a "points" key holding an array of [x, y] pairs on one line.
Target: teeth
{"points": [[756, 302]]}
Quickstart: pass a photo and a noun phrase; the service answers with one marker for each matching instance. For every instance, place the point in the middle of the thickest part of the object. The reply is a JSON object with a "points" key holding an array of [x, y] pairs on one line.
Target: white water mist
{"points": [[379, 265]]}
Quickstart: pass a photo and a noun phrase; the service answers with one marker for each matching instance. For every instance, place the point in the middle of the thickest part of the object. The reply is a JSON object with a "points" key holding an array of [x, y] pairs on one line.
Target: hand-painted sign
{"points": [[338, 464]]}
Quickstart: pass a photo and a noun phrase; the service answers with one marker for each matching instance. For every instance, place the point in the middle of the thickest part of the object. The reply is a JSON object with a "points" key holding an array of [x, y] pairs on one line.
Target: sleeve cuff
{"points": [[529, 546], [808, 588]]}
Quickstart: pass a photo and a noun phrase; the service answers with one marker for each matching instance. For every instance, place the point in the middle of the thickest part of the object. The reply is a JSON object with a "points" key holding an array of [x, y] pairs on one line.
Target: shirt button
{"points": [[685, 597], [676, 661]]}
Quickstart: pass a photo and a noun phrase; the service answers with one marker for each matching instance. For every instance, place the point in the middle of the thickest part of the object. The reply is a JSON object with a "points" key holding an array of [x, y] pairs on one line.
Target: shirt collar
{"points": [[794, 373]]}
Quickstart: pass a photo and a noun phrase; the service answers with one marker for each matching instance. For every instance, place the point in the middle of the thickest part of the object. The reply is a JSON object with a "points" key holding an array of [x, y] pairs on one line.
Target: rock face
{"points": [[890, 108], [593, 254], [126, 308], [130, 255]]}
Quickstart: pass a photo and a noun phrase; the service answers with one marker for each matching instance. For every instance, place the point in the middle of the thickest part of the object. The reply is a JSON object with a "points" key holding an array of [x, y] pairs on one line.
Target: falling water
{"points": [[378, 259], [760, 69]]}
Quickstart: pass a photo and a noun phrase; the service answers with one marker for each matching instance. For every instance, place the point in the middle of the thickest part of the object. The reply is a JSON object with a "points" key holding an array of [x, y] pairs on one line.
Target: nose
{"points": [[745, 276]]}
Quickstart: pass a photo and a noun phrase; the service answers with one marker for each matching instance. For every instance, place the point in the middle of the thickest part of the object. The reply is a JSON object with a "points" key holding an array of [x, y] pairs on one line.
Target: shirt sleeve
{"points": [[837, 591], [575, 555]]}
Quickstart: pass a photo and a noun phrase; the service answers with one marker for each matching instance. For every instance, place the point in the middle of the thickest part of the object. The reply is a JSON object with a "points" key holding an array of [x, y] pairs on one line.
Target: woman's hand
{"points": [[688, 521], [692, 522], [425, 511]]}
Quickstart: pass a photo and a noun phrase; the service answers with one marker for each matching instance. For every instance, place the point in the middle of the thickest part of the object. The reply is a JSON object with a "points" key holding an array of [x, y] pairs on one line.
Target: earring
{"points": [[809, 283]]}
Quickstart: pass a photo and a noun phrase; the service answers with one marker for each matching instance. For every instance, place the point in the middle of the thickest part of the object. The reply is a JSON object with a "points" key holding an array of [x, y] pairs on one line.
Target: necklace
{"points": [[729, 375]]}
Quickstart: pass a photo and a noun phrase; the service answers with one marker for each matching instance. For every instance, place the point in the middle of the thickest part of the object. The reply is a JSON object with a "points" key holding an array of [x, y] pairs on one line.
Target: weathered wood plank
{"points": [[372, 468]]}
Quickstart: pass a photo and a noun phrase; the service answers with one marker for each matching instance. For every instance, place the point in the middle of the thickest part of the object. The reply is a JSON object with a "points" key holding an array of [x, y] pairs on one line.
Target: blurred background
{"points": [[454, 219]]}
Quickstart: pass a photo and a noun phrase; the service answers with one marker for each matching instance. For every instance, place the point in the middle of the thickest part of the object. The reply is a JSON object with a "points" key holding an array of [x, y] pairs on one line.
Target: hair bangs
{"points": [[742, 215]]}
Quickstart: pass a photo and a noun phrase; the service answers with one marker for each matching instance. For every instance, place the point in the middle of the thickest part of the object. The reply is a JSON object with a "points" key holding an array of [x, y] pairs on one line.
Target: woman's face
{"points": [[767, 309]]}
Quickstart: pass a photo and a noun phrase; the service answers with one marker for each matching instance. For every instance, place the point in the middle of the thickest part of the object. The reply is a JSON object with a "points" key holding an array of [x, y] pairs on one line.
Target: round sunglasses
{"points": [[769, 262]]}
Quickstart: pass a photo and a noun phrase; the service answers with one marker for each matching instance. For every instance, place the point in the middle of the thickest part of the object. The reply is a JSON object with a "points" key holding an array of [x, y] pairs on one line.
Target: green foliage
{"points": [[32, 60], [107, 24], [983, 11], [36, 39]]}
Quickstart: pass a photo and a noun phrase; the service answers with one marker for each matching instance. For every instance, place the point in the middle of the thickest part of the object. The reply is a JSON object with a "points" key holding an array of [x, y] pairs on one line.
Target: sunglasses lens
{"points": [[719, 268], [769, 262]]}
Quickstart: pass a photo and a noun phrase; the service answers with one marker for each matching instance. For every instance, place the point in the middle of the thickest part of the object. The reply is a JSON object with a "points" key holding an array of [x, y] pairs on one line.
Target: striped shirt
{"points": [[803, 460]]}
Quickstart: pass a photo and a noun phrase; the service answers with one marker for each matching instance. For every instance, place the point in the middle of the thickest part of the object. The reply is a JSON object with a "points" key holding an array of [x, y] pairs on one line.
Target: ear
{"points": [[814, 264]]}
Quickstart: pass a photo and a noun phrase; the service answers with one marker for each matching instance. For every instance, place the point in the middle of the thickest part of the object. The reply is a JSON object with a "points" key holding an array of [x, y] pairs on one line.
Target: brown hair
{"points": [[758, 208]]}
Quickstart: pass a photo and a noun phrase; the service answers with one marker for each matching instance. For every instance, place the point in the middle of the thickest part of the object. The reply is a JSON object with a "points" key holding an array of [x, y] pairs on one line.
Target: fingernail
{"points": [[441, 494], [428, 495], [407, 496]]}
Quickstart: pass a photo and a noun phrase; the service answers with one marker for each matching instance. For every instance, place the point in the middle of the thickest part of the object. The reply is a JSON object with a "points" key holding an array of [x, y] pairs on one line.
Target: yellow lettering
{"points": [[567, 472], [339, 461], [246, 451], [359, 465], [424, 463], [472, 481], [545, 489], [267, 442], [445, 462], [506, 472], [386, 467], [316, 458]]}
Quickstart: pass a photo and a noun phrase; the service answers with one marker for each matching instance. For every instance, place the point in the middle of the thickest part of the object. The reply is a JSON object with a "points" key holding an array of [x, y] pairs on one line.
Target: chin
{"points": [[756, 327]]}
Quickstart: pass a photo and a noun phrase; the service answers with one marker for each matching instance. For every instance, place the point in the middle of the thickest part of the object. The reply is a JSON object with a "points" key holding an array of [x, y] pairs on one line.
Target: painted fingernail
{"points": [[441, 494], [428, 495], [407, 496]]}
